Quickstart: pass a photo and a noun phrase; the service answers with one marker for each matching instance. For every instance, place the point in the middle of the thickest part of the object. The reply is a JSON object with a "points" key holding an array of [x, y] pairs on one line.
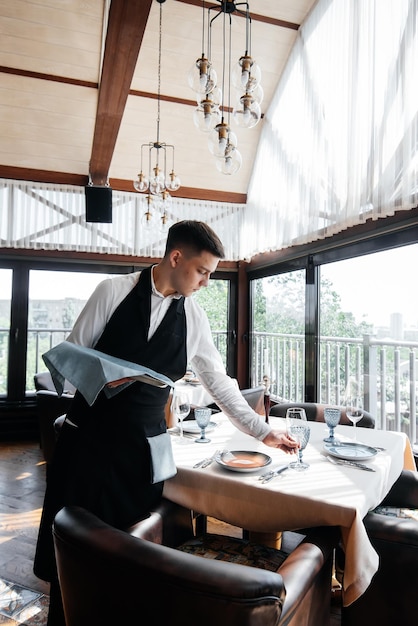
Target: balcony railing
{"points": [[386, 370]]}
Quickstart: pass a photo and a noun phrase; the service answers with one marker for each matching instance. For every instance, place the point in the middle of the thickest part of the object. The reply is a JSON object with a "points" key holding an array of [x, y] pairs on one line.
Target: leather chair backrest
{"points": [[43, 382], [109, 577], [255, 398], [315, 413]]}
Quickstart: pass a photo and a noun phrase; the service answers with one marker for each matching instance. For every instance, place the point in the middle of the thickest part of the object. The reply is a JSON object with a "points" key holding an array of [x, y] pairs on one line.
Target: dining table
{"points": [[324, 494]]}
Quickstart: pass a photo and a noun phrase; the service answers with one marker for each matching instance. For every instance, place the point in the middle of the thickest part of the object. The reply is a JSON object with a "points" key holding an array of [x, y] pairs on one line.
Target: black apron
{"points": [[104, 465]]}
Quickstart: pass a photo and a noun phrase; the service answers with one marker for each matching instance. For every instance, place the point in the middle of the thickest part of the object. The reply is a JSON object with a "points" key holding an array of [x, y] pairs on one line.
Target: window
{"points": [[369, 333], [214, 299], [55, 300], [278, 333], [5, 309]]}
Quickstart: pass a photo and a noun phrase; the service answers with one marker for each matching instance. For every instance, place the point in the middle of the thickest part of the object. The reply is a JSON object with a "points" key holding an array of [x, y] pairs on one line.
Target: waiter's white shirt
{"points": [[201, 351]]}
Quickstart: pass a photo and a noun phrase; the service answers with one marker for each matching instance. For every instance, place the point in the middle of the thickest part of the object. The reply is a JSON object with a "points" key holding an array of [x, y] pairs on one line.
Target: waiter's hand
{"points": [[277, 439], [120, 381]]}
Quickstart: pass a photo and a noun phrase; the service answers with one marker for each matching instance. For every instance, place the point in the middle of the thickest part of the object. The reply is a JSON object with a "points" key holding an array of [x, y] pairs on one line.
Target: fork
{"points": [[206, 462]]}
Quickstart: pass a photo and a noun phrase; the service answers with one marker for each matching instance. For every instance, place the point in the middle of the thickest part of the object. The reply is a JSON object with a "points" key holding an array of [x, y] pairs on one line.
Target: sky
{"points": [[388, 286]]}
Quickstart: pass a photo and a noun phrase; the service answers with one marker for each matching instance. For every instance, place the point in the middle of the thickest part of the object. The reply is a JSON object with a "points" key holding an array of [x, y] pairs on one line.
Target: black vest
{"points": [[139, 406]]}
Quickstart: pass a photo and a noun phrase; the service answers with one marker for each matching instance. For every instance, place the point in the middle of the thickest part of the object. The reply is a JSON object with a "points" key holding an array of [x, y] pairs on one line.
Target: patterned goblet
{"points": [[332, 419], [202, 417]]}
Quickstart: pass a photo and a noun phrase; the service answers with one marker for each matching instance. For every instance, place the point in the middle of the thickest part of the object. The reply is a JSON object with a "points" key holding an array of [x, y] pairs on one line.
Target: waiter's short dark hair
{"points": [[196, 236]]}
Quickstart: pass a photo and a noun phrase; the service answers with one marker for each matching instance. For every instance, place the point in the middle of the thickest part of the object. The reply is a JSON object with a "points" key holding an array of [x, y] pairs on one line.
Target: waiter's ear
{"points": [[175, 256]]}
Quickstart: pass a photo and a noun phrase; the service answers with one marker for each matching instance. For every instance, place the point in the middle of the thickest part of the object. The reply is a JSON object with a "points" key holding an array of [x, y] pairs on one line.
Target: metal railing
{"points": [[385, 370]]}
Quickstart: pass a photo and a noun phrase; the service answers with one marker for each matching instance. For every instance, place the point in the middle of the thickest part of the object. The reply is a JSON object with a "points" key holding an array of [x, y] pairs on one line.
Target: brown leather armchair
{"points": [[108, 576], [315, 413], [392, 596], [51, 409]]}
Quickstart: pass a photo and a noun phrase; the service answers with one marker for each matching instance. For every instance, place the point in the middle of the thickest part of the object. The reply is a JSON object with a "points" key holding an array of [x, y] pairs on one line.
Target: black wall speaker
{"points": [[98, 204]]}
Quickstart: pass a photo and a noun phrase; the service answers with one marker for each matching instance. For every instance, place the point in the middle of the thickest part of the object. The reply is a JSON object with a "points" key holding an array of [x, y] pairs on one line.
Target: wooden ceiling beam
{"points": [[125, 31], [118, 184]]}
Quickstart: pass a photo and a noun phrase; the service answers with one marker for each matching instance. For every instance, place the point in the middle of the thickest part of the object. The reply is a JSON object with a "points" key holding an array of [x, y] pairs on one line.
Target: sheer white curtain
{"points": [[340, 139], [52, 217]]}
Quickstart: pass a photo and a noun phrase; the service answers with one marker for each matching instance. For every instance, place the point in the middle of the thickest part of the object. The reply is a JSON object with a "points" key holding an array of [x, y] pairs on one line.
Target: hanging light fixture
{"points": [[213, 112], [155, 182]]}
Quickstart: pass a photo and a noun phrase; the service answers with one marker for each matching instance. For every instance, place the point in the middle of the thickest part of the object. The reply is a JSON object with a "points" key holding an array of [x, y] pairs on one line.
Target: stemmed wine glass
{"points": [[181, 409], [202, 417], [298, 428], [332, 418], [354, 410]]}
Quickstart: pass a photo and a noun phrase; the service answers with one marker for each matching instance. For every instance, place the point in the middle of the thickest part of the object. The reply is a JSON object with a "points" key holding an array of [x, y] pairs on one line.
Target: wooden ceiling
{"points": [[79, 84]]}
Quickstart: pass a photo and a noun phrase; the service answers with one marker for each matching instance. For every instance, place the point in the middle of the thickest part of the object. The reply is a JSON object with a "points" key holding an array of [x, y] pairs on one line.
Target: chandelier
{"points": [[155, 182], [213, 112]]}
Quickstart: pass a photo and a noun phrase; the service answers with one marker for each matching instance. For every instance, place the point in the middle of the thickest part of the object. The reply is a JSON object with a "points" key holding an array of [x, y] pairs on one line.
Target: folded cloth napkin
{"points": [[90, 370], [163, 465]]}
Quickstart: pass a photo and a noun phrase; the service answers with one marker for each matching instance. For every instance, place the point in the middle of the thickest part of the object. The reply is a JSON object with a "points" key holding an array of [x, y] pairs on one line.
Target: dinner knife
{"points": [[361, 466], [265, 478]]}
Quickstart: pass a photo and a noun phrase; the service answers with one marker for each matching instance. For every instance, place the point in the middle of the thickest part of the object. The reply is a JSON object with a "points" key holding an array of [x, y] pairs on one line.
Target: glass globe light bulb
{"points": [[219, 139], [202, 77], [174, 183], [142, 183], [230, 163], [164, 223], [147, 219], [157, 182], [246, 74], [247, 113], [165, 201], [206, 116]]}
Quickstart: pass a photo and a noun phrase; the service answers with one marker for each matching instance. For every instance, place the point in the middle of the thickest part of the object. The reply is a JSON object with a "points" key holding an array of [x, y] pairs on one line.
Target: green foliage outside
{"points": [[214, 301]]}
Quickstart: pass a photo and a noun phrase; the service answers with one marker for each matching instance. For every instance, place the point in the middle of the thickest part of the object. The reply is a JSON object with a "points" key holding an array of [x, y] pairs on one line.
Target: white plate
{"points": [[351, 451], [191, 426], [243, 460]]}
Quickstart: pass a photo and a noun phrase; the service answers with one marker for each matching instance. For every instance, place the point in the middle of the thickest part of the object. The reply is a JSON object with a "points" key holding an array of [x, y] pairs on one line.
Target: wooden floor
{"points": [[22, 485]]}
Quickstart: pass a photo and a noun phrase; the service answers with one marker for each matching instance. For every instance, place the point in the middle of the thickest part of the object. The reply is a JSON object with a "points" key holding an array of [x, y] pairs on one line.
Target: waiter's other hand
{"points": [[277, 439], [117, 383]]}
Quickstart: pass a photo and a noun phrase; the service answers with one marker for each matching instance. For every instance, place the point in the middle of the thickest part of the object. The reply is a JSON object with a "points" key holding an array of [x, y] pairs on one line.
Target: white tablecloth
{"points": [[197, 393], [323, 495]]}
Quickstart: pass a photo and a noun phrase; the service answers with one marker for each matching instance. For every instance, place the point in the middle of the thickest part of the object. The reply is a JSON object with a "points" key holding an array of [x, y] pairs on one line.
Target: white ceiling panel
{"points": [[56, 110]]}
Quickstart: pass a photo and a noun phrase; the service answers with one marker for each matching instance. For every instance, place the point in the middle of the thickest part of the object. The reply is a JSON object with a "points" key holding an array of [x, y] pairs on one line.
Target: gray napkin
{"points": [[90, 370], [163, 465]]}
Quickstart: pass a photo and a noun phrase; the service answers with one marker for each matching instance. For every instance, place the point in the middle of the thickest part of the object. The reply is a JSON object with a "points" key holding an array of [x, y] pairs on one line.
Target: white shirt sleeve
{"points": [[207, 364]]}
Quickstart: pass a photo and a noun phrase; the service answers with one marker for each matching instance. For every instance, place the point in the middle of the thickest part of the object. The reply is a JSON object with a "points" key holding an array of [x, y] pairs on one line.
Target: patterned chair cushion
{"points": [[223, 548], [393, 511]]}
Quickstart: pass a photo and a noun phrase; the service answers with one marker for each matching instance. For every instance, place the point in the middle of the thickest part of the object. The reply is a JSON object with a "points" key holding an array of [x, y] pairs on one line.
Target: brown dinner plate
{"points": [[243, 460]]}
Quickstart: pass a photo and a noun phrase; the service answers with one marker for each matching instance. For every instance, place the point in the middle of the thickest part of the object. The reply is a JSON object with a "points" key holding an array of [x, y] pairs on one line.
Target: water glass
{"points": [[181, 409], [332, 419], [297, 428], [202, 417], [354, 411]]}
